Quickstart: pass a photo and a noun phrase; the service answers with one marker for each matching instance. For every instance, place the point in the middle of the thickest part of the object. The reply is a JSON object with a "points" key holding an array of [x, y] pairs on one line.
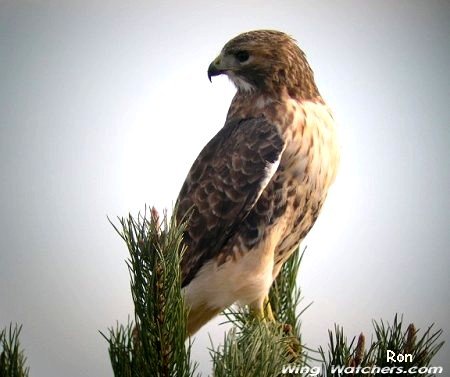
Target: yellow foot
{"points": [[263, 311], [268, 310]]}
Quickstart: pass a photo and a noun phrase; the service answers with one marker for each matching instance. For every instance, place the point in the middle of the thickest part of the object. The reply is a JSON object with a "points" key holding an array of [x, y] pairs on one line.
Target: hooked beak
{"points": [[215, 68]]}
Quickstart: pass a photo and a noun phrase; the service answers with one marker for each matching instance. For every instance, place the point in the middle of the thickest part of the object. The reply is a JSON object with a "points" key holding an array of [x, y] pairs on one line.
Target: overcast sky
{"points": [[105, 105]]}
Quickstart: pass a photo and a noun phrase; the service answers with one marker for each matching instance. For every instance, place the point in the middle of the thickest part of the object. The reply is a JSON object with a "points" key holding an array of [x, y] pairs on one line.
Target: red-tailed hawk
{"points": [[257, 187]]}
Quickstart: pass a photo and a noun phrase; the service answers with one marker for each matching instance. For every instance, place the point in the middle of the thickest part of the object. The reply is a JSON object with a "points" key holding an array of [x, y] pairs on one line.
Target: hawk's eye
{"points": [[242, 56]]}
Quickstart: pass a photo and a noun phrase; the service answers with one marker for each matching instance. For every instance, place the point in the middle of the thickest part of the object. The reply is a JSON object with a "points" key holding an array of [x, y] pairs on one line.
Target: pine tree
{"points": [[153, 342], [153, 345]]}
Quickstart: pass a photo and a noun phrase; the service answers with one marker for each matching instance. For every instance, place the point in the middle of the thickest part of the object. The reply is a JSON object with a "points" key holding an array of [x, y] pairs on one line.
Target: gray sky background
{"points": [[105, 105]]}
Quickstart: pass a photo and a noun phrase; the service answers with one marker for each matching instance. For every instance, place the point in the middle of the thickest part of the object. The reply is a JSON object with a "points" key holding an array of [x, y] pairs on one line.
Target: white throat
{"points": [[240, 84]]}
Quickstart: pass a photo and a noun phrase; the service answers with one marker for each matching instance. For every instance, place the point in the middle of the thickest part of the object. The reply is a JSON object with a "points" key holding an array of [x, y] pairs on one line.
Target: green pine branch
{"points": [[12, 357], [393, 337], [284, 295], [154, 345], [259, 349]]}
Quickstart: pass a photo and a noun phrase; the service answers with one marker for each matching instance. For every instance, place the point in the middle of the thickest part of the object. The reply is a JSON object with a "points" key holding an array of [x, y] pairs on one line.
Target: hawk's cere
{"points": [[257, 187]]}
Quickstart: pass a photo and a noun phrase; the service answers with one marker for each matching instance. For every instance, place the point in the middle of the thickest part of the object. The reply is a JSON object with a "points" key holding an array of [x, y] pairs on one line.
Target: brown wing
{"points": [[223, 185]]}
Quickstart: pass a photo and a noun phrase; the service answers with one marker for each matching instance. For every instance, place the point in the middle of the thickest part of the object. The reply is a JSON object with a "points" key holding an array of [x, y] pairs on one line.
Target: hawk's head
{"points": [[266, 61]]}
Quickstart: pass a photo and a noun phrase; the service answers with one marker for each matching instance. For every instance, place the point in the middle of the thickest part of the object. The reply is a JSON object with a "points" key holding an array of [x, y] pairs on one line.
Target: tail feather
{"points": [[199, 316]]}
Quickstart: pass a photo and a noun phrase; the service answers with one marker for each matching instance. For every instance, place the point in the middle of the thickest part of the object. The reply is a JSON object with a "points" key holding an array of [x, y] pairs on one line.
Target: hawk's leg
{"points": [[268, 310], [262, 310]]}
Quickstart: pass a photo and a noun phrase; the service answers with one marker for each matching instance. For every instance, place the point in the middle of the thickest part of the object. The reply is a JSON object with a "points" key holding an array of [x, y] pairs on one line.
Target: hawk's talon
{"points": [[263, 311]]}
